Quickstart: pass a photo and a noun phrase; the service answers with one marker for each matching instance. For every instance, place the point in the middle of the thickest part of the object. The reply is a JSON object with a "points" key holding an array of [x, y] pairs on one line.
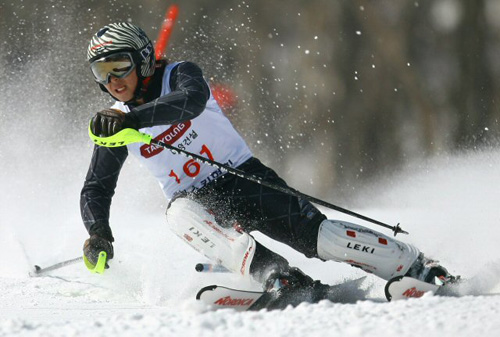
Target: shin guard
{"points": [[198, 227], [364, 248]]}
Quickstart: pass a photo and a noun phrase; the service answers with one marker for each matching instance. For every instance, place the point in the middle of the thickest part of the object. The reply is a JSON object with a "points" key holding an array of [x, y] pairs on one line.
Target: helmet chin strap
{"points": [[143, 84], [142, 88]]}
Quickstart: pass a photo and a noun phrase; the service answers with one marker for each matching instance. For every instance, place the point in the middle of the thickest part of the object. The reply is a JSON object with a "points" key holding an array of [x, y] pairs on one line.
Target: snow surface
{"points": [[449, 206]]}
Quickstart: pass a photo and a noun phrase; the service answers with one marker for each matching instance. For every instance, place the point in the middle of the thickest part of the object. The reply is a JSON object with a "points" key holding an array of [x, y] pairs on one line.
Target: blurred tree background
{"points": [[331, 93]]}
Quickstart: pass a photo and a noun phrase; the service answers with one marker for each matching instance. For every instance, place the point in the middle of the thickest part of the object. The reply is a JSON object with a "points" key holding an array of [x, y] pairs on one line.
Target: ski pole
{"points": [[97, 268], [210, 268], [128, 136], [285, 189], [39, 271]]}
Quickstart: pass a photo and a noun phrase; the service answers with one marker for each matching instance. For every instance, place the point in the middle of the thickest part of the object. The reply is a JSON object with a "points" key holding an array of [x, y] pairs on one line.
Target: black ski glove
{"points": [[107, 122], [94, 245]]}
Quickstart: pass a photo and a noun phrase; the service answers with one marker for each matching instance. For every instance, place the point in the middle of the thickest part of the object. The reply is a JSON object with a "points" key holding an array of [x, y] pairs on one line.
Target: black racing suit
{"points": [[280, 216]]}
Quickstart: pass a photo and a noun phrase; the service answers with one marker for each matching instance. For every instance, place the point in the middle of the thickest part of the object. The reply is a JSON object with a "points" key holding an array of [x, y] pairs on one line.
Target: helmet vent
{"points": [[102, 31]]}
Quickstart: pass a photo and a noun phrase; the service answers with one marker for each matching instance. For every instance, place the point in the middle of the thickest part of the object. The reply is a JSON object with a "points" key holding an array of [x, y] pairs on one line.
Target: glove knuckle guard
{"points": [[108, 122]]}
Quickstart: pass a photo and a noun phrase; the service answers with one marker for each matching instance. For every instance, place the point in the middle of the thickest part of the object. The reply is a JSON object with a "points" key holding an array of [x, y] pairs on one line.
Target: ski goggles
{"points": [[118, 65]]}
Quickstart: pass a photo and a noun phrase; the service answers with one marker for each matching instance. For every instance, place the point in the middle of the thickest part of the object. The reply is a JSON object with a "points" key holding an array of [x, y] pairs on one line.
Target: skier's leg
{"points": [[374, 252], [278, 215], [235, 250], [302, 226]]}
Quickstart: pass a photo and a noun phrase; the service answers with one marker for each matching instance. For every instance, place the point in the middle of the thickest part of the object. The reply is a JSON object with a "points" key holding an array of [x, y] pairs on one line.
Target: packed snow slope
{"points": [[449, 205]]}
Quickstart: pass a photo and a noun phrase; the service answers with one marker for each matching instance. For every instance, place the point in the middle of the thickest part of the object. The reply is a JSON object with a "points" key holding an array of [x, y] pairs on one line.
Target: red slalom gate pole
{"points": [[223, 94], [166, 30]]}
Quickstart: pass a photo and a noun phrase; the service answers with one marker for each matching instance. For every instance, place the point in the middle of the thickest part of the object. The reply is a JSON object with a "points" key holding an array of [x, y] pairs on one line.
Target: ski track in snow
{"points": [[448, 205]]}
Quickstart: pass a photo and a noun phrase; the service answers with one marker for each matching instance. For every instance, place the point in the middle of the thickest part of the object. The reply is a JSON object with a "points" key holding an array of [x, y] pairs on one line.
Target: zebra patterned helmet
{"points": [[124, 36]]}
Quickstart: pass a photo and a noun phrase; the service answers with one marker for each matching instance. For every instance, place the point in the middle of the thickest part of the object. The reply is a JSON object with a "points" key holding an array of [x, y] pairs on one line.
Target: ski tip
{"points": [[388, 295], [405, 287], [202, 290]]}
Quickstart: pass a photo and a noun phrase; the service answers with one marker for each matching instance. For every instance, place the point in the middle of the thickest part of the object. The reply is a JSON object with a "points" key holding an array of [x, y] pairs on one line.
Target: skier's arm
{"points": [[187, 100], [99, 188]]}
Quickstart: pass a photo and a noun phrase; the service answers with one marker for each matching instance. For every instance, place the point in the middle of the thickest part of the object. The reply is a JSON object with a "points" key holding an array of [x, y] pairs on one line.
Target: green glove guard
{"points": [[100, 266], [122, 138]]}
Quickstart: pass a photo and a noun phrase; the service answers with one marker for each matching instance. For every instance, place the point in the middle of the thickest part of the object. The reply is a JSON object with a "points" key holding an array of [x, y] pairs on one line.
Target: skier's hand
{"points": [[94, 245], [107, 122]]}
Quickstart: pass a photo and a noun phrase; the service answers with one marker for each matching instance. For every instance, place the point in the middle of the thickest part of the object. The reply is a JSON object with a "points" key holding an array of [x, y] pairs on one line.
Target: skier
{"points": [[211, 210]]}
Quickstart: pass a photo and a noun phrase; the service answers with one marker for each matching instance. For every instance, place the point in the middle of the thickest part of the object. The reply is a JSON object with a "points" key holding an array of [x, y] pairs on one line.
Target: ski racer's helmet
{"points": [[124, 37]]}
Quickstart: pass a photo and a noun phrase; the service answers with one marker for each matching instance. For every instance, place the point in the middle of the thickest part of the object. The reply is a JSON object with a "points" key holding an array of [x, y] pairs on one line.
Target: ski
{"points": [[404, 287], [219, 297]]}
